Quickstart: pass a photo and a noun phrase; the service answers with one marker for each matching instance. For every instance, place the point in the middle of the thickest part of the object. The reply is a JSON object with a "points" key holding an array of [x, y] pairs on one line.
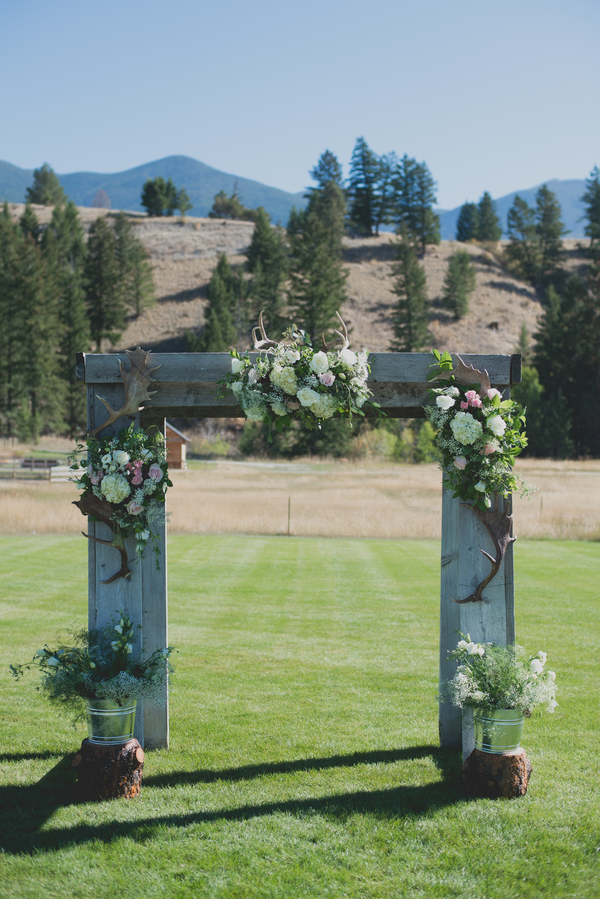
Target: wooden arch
{"points": [[186, 386]]}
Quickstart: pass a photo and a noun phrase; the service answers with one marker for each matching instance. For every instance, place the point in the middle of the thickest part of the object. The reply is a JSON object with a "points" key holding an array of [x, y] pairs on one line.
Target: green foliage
{"points": [[410, 314], [459, 283], [183, 203], [327, 170], [225, 316], [362, 187], [591, 201], [102, 278], [467, 226], [317, 280], [567, 358], [413, 197], [488, 223], [535, 250], [29, 223], [135, 271], [231, 207], [548, 418], [30, 388], [63, 247], [160, 197], [267, 262], [46, 189]]}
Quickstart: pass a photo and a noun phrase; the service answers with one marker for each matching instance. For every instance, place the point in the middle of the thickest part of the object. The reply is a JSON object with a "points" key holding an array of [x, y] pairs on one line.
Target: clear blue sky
{"points": [[493, 96]]}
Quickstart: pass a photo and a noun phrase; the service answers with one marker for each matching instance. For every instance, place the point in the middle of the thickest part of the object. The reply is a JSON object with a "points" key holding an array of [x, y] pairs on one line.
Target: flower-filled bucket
{"points": [[110, 722], [498, 730]]}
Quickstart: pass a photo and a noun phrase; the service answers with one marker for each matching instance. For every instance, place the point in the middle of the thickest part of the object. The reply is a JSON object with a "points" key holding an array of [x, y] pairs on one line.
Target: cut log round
{"points": [[497, 776], [109, 772]]}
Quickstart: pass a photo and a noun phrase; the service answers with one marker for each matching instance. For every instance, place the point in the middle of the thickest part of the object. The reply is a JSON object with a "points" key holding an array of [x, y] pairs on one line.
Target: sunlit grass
{"points": [[304, 757]]}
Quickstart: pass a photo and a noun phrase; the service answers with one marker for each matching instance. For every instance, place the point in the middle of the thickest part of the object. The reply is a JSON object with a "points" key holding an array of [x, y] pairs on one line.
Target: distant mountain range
{"points": [[202, 183]]}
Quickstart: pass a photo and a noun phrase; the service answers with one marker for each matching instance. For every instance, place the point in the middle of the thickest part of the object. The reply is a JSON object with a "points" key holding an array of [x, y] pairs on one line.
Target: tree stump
{"points": [[493, 776], [109, 772]]}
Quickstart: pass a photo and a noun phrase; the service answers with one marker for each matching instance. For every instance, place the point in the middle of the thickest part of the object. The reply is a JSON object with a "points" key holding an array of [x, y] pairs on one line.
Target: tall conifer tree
{"points": [[591, 201], [467, 225], [489, 227], [410, 312], [104, 296]]}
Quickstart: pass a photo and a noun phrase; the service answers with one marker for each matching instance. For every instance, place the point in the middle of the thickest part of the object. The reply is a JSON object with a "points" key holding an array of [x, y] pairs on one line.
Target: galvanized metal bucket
{"points": [[498, 730], [108, 722]]}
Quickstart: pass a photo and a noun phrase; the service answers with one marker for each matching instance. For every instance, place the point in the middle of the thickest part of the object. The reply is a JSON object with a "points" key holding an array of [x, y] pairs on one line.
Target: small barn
{"points": [[176, 447]]}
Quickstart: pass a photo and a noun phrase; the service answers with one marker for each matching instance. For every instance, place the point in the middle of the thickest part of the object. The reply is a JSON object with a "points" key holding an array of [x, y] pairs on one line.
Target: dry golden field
{"points": [[344, 499]]}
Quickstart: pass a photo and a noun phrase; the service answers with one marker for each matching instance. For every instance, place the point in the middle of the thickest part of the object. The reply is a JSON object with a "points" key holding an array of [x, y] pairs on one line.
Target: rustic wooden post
{"points": [[143, 595], [186, 386]]}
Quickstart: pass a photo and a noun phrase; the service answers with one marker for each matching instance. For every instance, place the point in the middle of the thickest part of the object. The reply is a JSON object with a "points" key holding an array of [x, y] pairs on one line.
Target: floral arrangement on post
{"points": [[499, 677], [101, 664], [479, 433], [123, 485], [293, 382]]}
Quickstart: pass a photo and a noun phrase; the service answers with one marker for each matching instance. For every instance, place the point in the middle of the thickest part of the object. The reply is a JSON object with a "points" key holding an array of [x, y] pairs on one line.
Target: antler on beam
{"points": [[343, 337], [136, 381], [266, 343], [498, 525], [101, 510]]}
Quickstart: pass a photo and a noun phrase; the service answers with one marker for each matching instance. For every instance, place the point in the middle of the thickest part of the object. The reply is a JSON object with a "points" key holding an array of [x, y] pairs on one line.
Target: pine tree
{"points": [[29, 223], [104, 296], [171, 195], [467, 225], [46, 189], [225, 207], [13, 333], [412, 202], [267, 262], [489, 227], [224, 316], [63, 247], [317, 281], [591, 201], [135, 271], [326, 170], [549, 231], [522, 249], [362, 187], [523, 346], [459, 283], [183, 203], [567, 357], [410, 312]]}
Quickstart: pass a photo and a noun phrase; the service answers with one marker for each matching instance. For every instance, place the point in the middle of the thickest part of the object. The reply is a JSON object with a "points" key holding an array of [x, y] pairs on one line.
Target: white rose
{"points": [[452, 391], [236, 365], [497, 425], [307, 396], [291, 355], [480, 487], [536, 666], [319, 363], [542, 656], [121, 457], [348, 357], [444, 402], [551, 675], [107, 459], [462, 644]]}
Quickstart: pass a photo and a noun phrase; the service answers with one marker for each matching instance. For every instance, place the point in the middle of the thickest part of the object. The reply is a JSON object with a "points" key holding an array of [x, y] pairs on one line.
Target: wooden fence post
{"points": [[143, 595], [493, 620]]}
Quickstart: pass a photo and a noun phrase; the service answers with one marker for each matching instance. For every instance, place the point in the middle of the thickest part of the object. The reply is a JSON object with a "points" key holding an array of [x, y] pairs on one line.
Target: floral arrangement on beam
{"points": [[291, 381], [125, 477], [480, 435]]}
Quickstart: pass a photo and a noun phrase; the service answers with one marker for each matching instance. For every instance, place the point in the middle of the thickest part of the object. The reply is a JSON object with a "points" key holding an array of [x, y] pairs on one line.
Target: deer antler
{"points": [[468, 374], [343, 337], [137, 381], [265, 343], [101, 510], [498, 525]]}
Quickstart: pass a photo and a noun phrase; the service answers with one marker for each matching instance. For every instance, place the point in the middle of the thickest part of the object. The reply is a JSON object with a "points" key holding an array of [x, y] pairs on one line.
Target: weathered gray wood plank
{"points": [[186, 368], [450, 717]]}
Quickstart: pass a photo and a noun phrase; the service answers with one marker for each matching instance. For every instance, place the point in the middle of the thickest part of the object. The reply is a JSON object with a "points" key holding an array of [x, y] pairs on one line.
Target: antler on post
{"points": [[498, 525], [136, 381], [102, 511], [343, 337], [265, 343]]}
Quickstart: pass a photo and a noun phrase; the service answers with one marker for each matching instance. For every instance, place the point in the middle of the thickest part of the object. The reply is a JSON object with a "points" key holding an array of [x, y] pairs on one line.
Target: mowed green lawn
{"points": [[304, 757]]}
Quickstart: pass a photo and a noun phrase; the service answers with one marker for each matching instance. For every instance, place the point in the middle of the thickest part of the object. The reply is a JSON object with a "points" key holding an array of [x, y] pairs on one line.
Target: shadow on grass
{"points": [[26, 809]]}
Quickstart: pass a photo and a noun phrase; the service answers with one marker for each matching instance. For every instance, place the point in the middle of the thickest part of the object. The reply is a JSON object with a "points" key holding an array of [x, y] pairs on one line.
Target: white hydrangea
{"points": [[285, 378], [465, 428], [115, 488], [324, 406]]}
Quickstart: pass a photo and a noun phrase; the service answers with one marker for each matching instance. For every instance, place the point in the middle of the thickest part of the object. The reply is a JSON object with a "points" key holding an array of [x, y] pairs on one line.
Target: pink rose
{"points": [[476, 403], [96, 477], [134, 508], [137, 479], [293, 406], [489, 449], [471, 395], [464, 406], [327, 378], [460, 462], [155, 472]]}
